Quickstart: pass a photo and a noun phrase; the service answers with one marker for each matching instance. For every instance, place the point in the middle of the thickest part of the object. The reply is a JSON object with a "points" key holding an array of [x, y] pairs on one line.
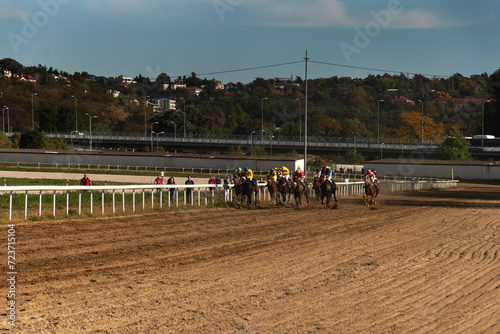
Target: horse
{"points": [[371, 190], [272, 187], [238, 185], [284, 188], [248, 189], [299, 188], [317, 188], [328, 188]]}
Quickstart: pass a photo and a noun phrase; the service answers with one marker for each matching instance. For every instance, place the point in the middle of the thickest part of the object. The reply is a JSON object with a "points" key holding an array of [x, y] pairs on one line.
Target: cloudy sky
{"points": [[343, 37]]}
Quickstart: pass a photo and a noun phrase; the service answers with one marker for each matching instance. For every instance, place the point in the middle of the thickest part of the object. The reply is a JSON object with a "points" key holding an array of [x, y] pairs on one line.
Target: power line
{"points": [[316, 62], [248, 68], [378, 70]]}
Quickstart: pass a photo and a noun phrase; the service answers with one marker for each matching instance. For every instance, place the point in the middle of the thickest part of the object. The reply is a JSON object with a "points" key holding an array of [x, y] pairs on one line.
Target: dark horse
{"points": [[248, 189], [317, 188], [299, 188], [371, 190], [238, 187], [272, 187], [328, 188], [284, 188]]}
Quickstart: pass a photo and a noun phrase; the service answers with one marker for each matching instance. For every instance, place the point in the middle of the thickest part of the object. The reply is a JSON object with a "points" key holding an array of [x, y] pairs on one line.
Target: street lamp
{"points": [[158, 139], [3, 117], [76, 115], [184, 112], [175, 129], [381, 151], [378, 120], [152, 134], [482, 124], [145, 117], [300, 119], [251, 142], [422, 120], [32, 112], [262, 109], [271, 137], [90, 128]]}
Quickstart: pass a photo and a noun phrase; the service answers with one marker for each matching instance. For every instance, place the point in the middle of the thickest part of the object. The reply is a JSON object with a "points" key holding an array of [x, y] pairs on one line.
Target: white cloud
{"points": [[12, 10]]}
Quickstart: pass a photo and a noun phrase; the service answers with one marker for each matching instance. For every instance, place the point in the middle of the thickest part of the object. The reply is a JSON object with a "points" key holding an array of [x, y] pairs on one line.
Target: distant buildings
{"points": [[163, 102]]}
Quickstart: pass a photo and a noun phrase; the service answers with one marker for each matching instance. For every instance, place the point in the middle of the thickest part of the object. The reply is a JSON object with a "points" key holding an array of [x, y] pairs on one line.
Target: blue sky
{"points": [[113, 37]]}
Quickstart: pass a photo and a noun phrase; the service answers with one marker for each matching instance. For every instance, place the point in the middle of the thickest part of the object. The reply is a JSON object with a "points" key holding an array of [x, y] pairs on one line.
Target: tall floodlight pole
{"points": [[32, 112], [3, 118], [482, 125], [76, 115], [90, 128], [422, 120], [175, 129], [262, 126], [305, 123], [145, 117], [378, 121]]}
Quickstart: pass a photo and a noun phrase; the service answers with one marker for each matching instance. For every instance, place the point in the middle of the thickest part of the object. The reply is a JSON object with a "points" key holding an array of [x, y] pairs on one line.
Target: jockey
{"points": [[272, 174], [240, 172], [249, 175], [286, 173], [327, 172], [372, 176], [317, 174], [300, 175]]}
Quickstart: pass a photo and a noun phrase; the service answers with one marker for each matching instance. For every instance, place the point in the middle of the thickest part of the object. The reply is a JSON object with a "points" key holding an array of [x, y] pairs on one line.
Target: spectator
{"points": [[85, 181], [218, 181], [226, 188], [171, 181], [158, 180], [189, 190], [162, 174]]}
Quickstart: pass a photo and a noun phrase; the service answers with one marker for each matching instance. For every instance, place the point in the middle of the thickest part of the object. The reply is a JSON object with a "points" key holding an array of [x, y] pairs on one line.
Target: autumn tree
{"points": [[411, 126]]}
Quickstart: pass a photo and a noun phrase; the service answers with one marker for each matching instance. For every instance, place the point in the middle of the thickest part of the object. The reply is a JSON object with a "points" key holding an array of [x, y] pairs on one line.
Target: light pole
{"points": [[152, 134], [90, 128], [76, 115], [145, 116], [482, 124], [158, 139], [271, 137], [184, 112], [378, 121], [300, 120], [3, 118], [262, 109], [381, 151], [32, 112], [251, 142], [175, 129], [422, 120]]}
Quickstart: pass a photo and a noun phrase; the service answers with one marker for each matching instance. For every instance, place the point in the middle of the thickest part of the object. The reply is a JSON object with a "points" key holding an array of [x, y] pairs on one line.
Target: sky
{"points": [[239, 40]]}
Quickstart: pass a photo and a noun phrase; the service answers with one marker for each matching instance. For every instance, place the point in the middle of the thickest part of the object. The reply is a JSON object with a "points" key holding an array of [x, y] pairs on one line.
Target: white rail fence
{"points": [[205, 194]]}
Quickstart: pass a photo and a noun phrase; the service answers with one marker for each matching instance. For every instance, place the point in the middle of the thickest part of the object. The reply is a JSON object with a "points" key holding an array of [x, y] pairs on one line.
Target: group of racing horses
{"points": [[282, 189]]}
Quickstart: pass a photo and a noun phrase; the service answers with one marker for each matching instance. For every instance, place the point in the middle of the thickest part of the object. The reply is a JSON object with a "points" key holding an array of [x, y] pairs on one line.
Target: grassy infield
{"points": [[18, 199]]}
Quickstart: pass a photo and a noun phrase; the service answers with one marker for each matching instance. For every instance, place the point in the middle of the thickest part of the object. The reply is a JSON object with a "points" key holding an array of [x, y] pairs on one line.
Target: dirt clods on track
{"points": [[425, 262]]}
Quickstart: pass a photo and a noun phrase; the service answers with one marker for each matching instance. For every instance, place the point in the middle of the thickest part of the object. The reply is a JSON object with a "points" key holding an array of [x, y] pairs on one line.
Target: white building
{"points": [[164, 102]]}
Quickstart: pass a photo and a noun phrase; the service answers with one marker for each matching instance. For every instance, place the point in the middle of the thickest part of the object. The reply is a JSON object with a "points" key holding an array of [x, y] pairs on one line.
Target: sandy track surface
{"points": [[427, 262]]}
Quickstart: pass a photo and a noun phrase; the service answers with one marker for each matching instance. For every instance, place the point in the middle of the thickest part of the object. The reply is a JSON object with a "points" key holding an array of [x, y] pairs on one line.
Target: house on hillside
{"points": [[163, 103]]}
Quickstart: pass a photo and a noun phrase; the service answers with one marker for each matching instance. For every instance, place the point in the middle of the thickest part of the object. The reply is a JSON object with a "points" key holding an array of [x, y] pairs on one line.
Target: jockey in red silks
{"points": [[372, 176], [300, 175]]}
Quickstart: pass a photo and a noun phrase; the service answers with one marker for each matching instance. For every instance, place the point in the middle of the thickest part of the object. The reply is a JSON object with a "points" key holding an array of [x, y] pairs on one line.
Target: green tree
{"points": [[4, 141], [455, 147], [354, 157]]}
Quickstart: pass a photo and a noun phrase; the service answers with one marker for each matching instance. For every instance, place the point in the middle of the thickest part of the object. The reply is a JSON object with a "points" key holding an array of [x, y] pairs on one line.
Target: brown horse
{"points": [[238, 186], [299, 188], [371, 190], [249, 190], [284, 188], [272, 187], [328, 188], [317, 188]]}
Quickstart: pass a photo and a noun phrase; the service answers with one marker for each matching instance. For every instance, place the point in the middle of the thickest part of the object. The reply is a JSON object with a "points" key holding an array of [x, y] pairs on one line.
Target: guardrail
{"points": [[199, 194]]}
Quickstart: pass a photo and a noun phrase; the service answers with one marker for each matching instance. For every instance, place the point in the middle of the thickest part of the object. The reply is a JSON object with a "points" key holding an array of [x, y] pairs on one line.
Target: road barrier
{"points": [[171, 194]]}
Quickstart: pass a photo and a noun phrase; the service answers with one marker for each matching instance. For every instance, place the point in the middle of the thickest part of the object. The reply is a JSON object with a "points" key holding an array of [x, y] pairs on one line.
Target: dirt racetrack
{"points": [[426, 262]]}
